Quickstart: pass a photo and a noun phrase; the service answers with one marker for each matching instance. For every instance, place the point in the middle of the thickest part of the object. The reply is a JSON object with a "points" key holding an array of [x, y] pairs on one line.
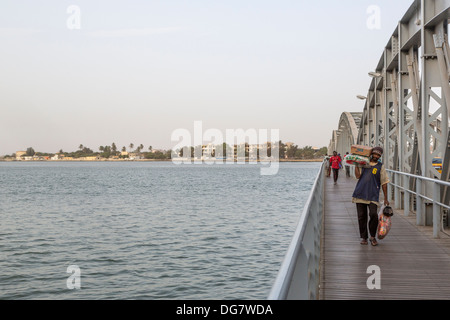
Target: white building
{"points": [[19, 154], [208, 151]]}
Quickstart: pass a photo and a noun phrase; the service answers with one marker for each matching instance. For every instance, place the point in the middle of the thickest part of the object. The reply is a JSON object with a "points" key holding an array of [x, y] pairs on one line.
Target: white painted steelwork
{"points": [[298, 277]]}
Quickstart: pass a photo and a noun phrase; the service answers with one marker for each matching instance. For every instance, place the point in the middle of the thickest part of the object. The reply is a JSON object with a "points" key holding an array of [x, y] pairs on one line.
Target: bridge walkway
{"points": [[412, 264]]}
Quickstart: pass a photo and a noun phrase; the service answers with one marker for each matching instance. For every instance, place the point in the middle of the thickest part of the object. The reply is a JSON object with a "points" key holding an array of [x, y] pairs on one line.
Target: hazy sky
{"points": [[137, 70]]}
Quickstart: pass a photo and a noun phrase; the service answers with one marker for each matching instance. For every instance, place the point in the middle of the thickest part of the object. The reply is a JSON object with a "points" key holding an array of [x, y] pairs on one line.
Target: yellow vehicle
{"points": [[437, 164]]}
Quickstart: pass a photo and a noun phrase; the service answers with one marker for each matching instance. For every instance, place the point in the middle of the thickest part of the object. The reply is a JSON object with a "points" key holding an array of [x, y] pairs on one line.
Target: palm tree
{"points": [[114, 148], [81, 147], [30, 152], [131, 147]]}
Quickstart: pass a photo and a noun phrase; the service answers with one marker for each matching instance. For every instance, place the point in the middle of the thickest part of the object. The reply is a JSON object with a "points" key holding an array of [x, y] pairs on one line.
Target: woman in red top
{"points": [[335, 161]]}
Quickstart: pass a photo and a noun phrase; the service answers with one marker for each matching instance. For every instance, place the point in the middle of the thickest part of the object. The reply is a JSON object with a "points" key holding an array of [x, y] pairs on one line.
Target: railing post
{"points": [[397, 191], [436, 210], [420, 216], [407, 196], [390, 193]]}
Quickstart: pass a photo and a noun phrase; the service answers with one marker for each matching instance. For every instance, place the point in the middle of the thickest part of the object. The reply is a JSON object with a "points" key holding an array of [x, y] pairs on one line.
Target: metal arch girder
{"points": [[347, 133], [435, 76], [402, 124], [348, 119], [445, 176], [391, 117], [333, 142], [442, 52], [443, 56], [406, 80]]}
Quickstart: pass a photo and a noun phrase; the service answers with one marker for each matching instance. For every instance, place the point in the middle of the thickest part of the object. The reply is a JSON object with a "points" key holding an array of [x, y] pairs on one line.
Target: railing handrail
{"points": [[281, 285], [402, 182], [445, 183]]}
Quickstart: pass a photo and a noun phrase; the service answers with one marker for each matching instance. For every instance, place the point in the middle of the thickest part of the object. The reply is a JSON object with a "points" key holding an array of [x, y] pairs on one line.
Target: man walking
{"points": [[335, 161], [367, 194]]}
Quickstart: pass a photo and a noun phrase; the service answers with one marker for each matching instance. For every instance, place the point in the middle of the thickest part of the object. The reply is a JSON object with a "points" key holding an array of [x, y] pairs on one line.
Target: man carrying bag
{"points": [[367, 193]]}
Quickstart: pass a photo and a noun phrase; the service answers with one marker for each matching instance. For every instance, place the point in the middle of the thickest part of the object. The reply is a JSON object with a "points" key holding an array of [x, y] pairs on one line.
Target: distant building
{"points": [[135, 156], [19, 154], [94, 158], [289, 145], [208, 151], [57, 156], [253, 150], [39, 158]]}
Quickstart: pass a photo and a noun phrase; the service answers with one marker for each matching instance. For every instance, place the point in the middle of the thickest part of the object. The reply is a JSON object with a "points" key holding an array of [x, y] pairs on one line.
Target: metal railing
{"points": [[405, 182], [298, 277]]}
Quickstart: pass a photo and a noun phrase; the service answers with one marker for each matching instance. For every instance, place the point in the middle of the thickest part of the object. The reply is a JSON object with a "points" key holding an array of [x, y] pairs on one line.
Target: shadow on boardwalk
{"points": [[412, 264]]}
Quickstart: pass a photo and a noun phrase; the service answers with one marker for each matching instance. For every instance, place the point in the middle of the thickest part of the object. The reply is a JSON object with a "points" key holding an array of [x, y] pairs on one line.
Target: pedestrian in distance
{"points": [[367, 193], [347, 168], [335, 162], [327, 166]]}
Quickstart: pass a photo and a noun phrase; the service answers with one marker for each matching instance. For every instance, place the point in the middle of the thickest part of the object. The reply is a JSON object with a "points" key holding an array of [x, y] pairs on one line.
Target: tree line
{"points": [[106, 151], [285, 151]]}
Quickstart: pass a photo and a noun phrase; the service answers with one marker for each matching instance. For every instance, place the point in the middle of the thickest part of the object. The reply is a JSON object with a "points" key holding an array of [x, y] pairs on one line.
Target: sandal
{"points": [[364, 242], [373, 242]]}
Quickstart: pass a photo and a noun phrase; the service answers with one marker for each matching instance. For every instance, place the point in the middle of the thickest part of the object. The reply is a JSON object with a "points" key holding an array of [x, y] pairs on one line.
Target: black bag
{"points": [[388, 212]]}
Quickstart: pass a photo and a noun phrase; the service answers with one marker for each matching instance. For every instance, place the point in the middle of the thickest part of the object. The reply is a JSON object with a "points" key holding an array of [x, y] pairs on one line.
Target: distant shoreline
{"points": [[154, 160]]}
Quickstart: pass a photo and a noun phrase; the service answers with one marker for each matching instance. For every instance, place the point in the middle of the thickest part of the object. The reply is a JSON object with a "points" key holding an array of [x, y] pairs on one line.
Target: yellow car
{"points": [[437, 164]]}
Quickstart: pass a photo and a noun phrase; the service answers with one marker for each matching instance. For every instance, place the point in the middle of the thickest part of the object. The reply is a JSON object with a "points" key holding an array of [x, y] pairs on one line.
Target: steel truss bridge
{"points": [[406, 111], [407, 106]]}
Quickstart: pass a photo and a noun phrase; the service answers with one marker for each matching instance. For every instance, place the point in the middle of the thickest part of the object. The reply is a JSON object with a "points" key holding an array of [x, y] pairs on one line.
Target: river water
{"points": [[146, 230]]}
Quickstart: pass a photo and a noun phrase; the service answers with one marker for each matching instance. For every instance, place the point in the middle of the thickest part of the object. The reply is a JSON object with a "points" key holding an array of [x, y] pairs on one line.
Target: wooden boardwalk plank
{"points": [[412, 264]]}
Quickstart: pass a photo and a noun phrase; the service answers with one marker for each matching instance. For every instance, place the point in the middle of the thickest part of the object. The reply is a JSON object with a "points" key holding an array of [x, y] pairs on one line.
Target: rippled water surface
{"points": [[146, 230]]}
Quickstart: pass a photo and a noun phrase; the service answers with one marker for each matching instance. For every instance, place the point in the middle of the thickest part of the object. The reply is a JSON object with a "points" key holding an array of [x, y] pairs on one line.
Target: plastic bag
{"points": [[384, 223]]}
